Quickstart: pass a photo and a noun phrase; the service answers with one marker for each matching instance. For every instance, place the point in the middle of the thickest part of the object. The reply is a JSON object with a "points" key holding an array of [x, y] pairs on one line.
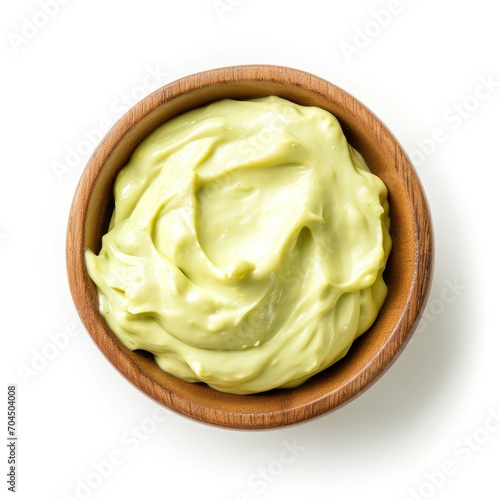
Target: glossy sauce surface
{"points": [[247, 246]]}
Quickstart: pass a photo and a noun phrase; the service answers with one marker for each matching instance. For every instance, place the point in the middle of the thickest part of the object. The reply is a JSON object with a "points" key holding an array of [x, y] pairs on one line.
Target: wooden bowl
{"points": [[408, 273]]}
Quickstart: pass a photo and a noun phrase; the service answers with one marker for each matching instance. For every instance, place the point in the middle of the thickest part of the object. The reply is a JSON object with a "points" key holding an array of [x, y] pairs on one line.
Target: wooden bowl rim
{"points": [[287, 410]]}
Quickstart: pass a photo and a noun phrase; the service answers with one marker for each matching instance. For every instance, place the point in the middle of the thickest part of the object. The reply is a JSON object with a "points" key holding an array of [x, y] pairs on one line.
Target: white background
{"points": [[419, 70]]}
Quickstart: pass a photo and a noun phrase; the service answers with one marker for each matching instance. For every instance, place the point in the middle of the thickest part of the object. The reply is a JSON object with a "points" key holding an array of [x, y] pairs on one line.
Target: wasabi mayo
{"points": [[247, 246]]}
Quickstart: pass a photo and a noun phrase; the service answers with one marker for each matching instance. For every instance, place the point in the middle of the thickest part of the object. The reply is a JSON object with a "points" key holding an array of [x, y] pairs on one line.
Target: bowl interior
{"points": [[407, 275]]}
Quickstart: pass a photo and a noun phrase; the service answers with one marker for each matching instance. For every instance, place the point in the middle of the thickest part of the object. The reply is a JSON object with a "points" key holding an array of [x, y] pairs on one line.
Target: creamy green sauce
{"points": [[247, 246]]}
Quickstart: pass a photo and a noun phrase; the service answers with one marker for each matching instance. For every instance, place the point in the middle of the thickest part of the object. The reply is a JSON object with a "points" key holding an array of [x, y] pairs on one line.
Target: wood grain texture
{"points": [[408, 274]]}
